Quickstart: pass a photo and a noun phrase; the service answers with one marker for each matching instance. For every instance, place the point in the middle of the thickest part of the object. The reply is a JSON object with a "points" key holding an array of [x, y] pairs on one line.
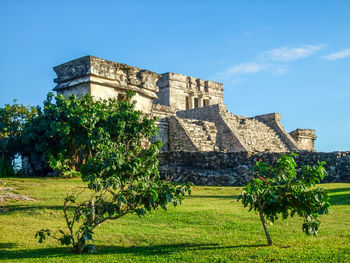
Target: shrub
{"points": [[282, 189]]}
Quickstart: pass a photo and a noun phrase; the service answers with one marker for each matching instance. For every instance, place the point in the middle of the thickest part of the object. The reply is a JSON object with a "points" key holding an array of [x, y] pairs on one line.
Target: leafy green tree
{"points": [[13, 117], [69, 131], [61, 131], [111, 147], [284, 190]]}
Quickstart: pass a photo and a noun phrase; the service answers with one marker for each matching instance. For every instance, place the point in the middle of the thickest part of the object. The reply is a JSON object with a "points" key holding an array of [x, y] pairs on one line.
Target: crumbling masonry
{"points": [[193, 117]]}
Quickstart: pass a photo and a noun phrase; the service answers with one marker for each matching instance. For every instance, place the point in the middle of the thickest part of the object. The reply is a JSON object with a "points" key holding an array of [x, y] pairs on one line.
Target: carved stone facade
{"points": [[103, 79], [193, 117], [185, 92]]}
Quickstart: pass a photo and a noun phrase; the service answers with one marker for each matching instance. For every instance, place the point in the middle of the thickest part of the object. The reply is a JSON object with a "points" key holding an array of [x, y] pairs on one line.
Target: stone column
{"points": [[200, 102], [191, 102]]}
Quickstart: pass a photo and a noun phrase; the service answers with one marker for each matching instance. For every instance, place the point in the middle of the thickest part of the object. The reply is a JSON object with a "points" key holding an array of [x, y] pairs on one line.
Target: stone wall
{"points": [[79, 90], [163, 112], [34, 164], [234, 168]]}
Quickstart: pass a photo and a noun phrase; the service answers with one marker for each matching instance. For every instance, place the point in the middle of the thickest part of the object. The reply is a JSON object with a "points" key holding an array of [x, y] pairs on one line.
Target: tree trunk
{"points": [[92, 212], [269, 241], [87, 248], [30, 161], [80, 246]]}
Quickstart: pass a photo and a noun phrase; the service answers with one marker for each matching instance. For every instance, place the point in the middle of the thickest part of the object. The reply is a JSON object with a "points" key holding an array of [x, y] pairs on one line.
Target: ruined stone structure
{"points": [[202, 141], [193, 117]]}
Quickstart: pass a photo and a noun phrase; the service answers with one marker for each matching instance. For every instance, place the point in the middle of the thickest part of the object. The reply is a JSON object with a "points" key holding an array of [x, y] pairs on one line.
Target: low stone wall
{"points": [[234, 168]]}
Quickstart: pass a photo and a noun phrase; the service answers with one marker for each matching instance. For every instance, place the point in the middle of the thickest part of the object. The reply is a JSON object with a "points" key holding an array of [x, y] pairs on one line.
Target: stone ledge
{"points": [[108, 71]]}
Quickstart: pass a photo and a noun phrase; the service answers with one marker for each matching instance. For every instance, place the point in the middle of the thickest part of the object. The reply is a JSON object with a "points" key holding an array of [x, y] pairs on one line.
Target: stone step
{"points": [[201, 135]]}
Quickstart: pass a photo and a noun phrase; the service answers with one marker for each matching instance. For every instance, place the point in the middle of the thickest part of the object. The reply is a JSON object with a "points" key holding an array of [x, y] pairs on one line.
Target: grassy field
{"points": [[210, 226]]}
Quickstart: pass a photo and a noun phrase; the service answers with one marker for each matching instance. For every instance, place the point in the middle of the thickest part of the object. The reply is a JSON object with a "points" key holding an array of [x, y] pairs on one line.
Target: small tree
{"points": [[284, 189], [110, 145]]}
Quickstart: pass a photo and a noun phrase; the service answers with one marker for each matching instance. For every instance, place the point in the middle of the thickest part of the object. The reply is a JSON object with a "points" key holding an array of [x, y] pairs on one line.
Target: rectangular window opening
{"points": [[187, 103]]}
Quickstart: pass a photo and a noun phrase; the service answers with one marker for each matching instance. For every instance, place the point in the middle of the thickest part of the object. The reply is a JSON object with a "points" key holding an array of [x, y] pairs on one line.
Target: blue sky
{"points": [[291, 57]]}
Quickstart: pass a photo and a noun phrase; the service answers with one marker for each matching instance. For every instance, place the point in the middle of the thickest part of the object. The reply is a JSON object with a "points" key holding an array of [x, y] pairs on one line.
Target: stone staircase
{"points": [[253, 134], [202, 133]]}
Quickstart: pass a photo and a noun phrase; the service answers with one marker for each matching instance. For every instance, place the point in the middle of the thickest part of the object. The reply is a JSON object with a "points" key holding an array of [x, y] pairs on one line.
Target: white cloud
{"points": [[233, 73], [268, 61], [244, 68], [288, 54], [338, 55]]}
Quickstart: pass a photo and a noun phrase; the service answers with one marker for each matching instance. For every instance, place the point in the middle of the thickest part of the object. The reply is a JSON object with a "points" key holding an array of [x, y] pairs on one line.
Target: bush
{"points": [[282, 189]]}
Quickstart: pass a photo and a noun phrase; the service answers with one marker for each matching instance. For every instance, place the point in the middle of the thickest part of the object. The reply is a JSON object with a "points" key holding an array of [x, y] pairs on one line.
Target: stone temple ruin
{"points": [[202, 141], [193, 117]]}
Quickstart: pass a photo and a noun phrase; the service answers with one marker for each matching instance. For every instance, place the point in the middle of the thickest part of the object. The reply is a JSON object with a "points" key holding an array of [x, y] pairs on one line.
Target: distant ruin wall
{"points": [[234, 168]]}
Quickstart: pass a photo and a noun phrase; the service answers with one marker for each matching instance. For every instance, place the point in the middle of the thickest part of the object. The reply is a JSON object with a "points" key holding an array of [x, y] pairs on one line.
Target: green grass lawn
{"points": [[210, 226]]}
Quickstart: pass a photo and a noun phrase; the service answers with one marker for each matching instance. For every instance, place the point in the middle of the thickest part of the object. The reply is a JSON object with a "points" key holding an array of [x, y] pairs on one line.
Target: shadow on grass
{"points": [[343, 199], [337, 190], [7, 245], [234, 197], [24, 208], [108, 250], [339, 199]]}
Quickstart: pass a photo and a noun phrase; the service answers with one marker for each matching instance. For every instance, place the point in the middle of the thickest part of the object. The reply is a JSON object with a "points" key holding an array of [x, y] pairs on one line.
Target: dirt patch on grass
{"points": [[7, 195]]}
